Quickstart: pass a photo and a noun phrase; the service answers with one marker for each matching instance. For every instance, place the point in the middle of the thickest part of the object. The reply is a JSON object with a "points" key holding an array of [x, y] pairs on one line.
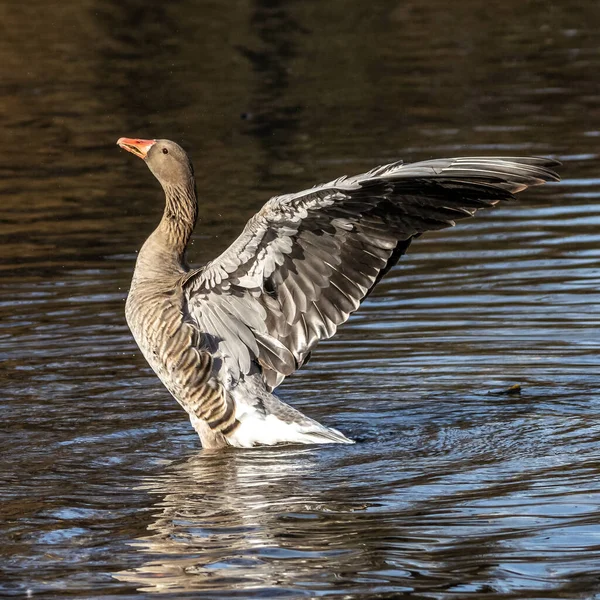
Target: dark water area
{"points": [[452, 491]]}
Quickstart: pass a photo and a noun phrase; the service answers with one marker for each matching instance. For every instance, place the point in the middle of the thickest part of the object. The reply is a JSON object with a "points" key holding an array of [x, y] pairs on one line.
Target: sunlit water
{"points": [[454, 488]]}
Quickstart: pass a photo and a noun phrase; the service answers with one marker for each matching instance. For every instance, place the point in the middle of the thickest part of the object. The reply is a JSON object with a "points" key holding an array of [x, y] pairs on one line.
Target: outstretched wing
{"points": [[306, 261]]}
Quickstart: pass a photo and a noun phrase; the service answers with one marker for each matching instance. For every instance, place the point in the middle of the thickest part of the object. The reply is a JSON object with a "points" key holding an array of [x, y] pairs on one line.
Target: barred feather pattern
{"points": [[177, 352], [173, 345]]}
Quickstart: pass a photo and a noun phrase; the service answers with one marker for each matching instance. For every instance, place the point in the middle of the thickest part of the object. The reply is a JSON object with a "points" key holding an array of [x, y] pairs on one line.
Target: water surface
{"points": [[453, 490]]}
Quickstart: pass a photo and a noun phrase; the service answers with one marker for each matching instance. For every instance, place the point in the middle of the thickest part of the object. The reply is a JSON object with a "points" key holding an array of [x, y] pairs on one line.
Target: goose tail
{"points": [[266, 420]]}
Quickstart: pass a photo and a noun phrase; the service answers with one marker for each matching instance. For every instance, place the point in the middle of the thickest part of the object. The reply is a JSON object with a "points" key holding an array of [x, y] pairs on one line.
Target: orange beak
{"points": [[138, 147]]}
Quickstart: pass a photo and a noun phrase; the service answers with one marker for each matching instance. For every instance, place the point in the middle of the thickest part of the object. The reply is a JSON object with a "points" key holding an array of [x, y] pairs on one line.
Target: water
{"points": [[453, 490]]}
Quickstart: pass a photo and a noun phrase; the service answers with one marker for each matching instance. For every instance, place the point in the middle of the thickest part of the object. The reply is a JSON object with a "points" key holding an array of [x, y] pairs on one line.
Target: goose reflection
{"points": [[245, 523], [245, 520]]}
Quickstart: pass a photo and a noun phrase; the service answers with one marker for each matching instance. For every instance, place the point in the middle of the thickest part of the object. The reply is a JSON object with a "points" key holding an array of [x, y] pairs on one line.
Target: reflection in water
{"points": [[450, 492], [273, 120], [136, 38], [267, 520], [230, 521]]}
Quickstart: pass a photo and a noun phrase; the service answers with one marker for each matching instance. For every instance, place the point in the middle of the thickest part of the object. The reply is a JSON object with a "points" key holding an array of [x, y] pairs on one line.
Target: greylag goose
{"points": [[222, 337]]}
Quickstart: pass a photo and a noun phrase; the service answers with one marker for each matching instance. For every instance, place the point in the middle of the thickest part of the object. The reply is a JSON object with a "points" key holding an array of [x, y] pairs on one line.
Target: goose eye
{"points": [[165, 151]]}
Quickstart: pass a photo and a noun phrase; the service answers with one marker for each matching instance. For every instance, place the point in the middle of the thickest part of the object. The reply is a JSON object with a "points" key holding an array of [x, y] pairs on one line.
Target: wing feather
{"points": [[306, 261]]}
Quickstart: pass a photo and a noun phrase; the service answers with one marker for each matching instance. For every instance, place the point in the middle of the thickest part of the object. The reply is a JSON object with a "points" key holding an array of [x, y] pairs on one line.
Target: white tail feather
{"points": [[274, 422]]}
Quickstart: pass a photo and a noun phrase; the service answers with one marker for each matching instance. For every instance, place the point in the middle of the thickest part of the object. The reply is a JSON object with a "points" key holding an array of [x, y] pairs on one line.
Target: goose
{"points": [[223, 337]]}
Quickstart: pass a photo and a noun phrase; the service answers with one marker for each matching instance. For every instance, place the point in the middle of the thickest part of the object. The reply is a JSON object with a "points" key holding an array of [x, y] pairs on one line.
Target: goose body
{"points": [[222, 337]]}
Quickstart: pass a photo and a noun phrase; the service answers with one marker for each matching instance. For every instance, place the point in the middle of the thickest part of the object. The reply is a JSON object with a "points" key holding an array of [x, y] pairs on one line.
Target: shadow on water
{"points": [[450, 491]]}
